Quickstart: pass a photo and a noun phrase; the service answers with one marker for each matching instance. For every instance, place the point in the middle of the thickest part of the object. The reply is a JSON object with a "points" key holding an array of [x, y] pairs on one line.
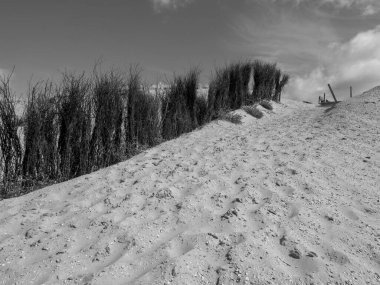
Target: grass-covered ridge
{"points": [[86, 122]]}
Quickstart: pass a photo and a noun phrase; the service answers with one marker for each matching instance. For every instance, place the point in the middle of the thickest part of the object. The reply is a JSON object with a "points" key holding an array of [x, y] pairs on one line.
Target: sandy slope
{"points": [[292, 198]]}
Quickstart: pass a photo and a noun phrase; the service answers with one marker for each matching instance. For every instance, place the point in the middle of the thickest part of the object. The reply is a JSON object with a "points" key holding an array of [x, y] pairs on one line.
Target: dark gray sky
{"points": [[315, 41]]}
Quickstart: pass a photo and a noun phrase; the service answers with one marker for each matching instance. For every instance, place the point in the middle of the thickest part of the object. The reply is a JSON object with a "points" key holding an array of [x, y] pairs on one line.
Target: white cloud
{"points": [[368, 7], [370, 10], [159, 5], [356, 63]]}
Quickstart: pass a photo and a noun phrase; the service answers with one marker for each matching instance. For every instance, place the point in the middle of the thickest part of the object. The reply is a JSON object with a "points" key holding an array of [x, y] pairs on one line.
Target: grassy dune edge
{"points": [[84, 123]]}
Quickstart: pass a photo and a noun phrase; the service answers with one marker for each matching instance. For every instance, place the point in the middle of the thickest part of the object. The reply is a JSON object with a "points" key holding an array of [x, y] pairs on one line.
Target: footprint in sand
{"points": [[178, 247], [337, 257], [288, 190], [257, 221], [294, 210], [349, 213], [305, 261]]}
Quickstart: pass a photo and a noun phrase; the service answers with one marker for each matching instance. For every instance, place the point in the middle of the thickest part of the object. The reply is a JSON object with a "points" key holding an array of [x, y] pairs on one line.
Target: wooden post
{"points": [[350, 91], [324, 97], [332, 93]]}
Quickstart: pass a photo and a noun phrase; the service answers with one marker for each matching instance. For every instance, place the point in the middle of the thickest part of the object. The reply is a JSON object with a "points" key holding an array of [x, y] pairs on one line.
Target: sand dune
{"points": [[292, 198]]}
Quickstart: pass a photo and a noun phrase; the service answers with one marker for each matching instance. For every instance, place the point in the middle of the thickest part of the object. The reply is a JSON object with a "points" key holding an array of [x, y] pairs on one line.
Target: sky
{"points": [[315, 41]]}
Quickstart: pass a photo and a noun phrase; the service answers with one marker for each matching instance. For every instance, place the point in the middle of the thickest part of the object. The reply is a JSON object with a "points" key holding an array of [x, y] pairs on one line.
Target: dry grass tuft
{"points": [[269, 81], [107, 98], [266, 104], [229, 88], [201, 110], [179, 106], [233, 118], [74, 121], [253, 111], [40, 135], [10, 145]]}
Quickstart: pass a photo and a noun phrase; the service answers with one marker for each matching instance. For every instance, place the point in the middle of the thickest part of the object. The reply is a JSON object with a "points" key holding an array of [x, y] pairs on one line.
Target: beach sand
{"points": [[292, 198]]}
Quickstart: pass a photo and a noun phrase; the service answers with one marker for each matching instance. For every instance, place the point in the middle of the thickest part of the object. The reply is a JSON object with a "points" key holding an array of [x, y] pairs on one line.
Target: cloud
{"points": [[354, 63], [160, 5], [370, 10], [367, 7], [283, 38]]}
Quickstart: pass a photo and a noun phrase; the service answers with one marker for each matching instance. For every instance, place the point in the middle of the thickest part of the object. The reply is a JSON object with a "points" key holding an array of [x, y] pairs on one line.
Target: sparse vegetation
{"points": [[107, 100], [201, 110], [264, 80], [142, 116], [74, 125], [218, 94], [266, 104], [280, 81], [179, 106], [253, 111], [40, 135], [86, 123], [230, 117], [229, 89], [10, 145], [246, 70]]}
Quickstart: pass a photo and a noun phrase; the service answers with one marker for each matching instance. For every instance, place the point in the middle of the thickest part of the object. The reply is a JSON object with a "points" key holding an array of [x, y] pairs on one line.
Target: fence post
{"points": [[332, 93], [350, 91]]}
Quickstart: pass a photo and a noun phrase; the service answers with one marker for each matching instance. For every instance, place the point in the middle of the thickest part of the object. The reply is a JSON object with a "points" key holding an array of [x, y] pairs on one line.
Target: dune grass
{"points": [[142, 115], [10, 145], [74, 106], [229, 88], [107, 101], [40, 134], [83, 123], [179, 106], [264, 80], [266, 104], [253, 111], [232, 118]]}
